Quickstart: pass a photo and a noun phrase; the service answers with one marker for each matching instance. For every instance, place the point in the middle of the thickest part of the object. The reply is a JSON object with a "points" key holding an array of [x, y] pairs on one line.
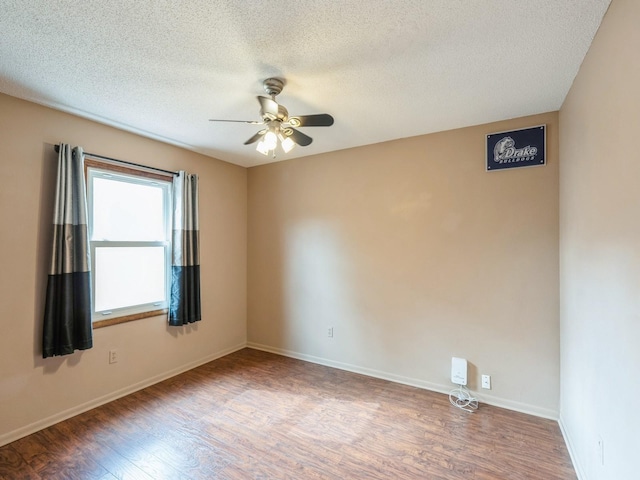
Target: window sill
{"points": [[128, 318]]}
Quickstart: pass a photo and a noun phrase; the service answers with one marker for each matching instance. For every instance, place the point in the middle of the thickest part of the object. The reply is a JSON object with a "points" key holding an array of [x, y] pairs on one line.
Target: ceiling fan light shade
{"points": [[268, 143], [270, 140], [286, 143], [261, 147]]}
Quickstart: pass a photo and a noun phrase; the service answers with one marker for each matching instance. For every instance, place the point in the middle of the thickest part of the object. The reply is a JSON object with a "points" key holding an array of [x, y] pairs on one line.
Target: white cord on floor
{"points": [[461, 397]]}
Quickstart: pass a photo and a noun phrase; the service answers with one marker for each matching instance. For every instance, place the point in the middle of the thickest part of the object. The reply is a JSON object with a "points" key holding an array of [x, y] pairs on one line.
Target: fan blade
{"points": [[256, 137], [300, 138], [251, 122], [268, 107], [319, 120]]}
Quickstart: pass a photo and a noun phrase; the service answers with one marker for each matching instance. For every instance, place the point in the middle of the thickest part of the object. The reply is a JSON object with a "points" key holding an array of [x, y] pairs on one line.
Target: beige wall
{"points": [[413, 254], [600, 251], [36, 392]]}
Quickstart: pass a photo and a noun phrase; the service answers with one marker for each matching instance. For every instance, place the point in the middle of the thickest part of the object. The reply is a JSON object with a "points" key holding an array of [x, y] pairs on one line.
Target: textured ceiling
{"points": [[385, 69]]}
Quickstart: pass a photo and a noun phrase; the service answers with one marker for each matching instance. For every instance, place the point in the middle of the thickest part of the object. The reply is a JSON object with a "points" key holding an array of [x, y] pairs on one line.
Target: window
{"points": [[130, 241]]}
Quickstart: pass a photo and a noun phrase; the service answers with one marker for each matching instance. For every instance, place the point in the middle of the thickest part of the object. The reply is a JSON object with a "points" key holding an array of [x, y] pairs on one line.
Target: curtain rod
{"points": [[102, 157]]}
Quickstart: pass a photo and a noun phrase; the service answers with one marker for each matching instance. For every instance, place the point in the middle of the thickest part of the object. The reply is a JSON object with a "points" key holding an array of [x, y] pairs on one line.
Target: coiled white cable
{"points": [[461, 397]]}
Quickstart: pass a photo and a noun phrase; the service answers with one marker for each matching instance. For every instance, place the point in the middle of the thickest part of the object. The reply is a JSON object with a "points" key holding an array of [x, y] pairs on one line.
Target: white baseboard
{"points": [[72, 412], [572, 452], [413, 382], [440, 388]]}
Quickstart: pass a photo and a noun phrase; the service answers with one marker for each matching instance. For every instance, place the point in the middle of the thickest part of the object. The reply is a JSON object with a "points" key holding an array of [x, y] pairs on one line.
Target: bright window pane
{"points": [[126, 276], [124, 211]]}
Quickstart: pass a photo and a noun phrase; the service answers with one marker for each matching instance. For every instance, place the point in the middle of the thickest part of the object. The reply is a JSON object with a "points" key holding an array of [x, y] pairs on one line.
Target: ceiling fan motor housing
{"points": [[273, 86]]}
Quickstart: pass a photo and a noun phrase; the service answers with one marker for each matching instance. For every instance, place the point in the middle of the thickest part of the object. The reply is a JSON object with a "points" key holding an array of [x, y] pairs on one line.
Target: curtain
{"points": [[184, 306], [67, 316]]}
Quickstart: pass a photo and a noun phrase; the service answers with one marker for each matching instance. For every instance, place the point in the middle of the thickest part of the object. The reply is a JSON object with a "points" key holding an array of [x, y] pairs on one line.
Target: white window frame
{"points": [[100, 169]]}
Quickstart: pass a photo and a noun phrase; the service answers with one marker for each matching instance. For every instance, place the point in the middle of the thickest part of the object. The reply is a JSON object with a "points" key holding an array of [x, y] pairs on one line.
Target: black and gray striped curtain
{"points": [[184, 306], [67, 317]]}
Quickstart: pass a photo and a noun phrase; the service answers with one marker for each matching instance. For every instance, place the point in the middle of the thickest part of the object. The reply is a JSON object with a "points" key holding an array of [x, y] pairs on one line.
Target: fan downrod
{"points": [[273, 86]]}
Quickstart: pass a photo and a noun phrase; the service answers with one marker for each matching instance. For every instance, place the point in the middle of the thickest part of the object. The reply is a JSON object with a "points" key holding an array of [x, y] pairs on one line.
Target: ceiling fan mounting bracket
{"points": [[273, 86]]}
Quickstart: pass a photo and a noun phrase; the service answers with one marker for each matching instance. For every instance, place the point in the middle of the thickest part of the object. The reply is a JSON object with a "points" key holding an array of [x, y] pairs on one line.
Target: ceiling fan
{"points": [[280, 128]]}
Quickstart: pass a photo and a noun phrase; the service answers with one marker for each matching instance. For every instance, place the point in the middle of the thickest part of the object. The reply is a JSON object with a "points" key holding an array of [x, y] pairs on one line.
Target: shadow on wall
{"points": [[179, 331], [318, 293]]}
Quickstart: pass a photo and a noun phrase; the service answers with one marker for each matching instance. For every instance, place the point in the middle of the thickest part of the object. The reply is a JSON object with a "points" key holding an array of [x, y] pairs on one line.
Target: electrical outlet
{"points": [[113, 356], [330, 332], [486, 382]]}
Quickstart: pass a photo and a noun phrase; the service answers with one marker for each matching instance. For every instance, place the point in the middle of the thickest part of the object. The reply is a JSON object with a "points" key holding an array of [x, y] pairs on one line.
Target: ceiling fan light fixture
{"points": [[270, 140], [280, 128], [261, 147], [268, 143], [286, 143]]}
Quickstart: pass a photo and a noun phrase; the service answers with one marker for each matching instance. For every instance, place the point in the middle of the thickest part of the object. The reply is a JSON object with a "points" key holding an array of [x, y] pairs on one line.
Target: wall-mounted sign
{"points": [[517, 148]]}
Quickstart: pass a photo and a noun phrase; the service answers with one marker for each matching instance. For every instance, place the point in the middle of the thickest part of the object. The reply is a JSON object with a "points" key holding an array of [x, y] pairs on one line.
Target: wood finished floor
{"points": [[255, 415]]}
